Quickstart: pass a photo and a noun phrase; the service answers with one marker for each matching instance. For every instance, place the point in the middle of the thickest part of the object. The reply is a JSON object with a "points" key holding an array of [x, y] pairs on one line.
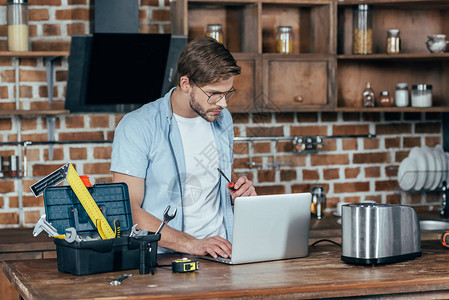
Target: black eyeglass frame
{"points": [[224, 94]]}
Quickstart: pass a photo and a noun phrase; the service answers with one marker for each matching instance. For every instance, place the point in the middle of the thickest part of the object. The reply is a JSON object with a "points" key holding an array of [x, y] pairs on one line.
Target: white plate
{"points": [[444, 162], [431, 167], [407, 175], [418, 155], [438, 169]]}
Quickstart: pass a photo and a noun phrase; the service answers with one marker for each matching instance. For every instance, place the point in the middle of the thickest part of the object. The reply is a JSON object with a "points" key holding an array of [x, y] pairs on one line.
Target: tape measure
{"points": [[184, 265], [68, 172]]}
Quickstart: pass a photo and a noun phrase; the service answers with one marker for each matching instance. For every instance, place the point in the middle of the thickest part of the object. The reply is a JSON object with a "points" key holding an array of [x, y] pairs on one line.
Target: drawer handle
{"points": [[297, 99]]}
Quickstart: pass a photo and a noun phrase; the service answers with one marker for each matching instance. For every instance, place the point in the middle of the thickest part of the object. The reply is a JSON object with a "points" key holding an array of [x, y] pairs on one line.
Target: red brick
{"points": [[78, 153], [351, 187], [395, 199], [97, 168], [308, 130], [291, 160], [142, 15], [50, 45], [107, 179], [310, 174], [352, 172], [264, 131], [102, 152], [6, 186], [57, 123], [307, 117], [43, 91], [331, 202], [351, 199], [2, 202], [149, 3], [393, 129], [8, 76], [57, 104], [51, 29], [330, 145], [329, 159], [74, 121], [284, 117], [400, 155], [44, 169], [4, 94], [13, 202], [393, 142], [431, 141], [45, 2], [351, 116], [262, 118], [349, 144], [372, 143], [9, 218], [5, 124], [284, 146], [29, 124], [410, 142], [35, 137], [160, 15], [266, 175], [375, 198], [428, 128], [80, 136], [329, 174], [26, 91], [76, 2], [262, 147], [149, 28], [240, 118], [31, 201], [32, 216], [33, 76], [288, 175], [7, 106], [78, 14], [76, 28], [97, 121], [372, 172], [270, 190], [61, 76], [240, 148], [110, 135], [38, 15], [28, 62], [371, 158], [350, 129], [385, 185], [58, 154], [236, 131], [329, 117]]}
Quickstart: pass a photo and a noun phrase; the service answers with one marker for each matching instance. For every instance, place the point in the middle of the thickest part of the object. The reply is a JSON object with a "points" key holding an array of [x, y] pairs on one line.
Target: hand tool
{"points": [[136, 233], [445, 239], [167, 218], [43, 225], [184, 265], [231, 184], [68, 172], [120, 279]]}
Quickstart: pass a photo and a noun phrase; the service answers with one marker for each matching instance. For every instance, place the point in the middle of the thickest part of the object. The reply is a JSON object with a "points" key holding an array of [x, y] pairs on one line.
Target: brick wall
{"points": [[351, 170]]}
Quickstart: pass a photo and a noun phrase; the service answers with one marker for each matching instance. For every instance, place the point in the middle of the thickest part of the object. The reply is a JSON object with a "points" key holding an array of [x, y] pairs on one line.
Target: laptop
{"points": [[269, 227]]}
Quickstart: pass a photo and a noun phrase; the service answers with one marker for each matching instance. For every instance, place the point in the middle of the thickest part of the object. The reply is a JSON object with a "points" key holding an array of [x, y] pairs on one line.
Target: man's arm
{"points": [[170, 238], [243, 186]]}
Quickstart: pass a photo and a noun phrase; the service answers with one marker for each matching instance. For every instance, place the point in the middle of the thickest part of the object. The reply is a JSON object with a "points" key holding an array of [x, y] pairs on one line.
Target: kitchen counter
{"points": [[321, 274]]}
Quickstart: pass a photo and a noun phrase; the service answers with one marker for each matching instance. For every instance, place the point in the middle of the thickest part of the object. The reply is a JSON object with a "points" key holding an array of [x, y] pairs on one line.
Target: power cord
{"points": [[326, 240]]}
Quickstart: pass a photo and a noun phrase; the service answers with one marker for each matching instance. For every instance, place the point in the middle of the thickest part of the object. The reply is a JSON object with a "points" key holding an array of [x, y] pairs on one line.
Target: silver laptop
{"points": [[269, 227]]}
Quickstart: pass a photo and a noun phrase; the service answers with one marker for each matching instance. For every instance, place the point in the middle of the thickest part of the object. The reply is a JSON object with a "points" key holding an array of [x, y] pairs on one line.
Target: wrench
{"points": [[167, 218], [119, 280], [136, 233], [43, 225]]}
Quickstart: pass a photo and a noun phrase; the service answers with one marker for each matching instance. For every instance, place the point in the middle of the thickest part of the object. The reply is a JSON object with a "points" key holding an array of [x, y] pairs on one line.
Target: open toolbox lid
{"points": [[64, 210]]}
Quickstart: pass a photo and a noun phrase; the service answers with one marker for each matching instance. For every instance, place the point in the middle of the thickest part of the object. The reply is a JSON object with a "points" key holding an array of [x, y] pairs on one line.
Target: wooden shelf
{"points": [[393, 109], [22, 112], [402, 56], [33, 53]]}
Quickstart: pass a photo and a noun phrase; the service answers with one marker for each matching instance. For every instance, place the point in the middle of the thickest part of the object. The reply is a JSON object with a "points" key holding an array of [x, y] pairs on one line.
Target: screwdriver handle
{"points": [[445, 239]]}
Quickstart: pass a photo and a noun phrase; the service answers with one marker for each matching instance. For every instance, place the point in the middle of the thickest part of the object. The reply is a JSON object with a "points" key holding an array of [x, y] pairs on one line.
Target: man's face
{"points": [[199, 99]]}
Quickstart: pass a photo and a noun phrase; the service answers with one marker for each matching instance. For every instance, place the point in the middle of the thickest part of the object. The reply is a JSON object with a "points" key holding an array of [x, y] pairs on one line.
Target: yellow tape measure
{"points": [[83, 195]]}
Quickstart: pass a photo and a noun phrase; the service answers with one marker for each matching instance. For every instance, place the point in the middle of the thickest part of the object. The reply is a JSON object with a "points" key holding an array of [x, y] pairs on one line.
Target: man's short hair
{"points": [[206, 61]]}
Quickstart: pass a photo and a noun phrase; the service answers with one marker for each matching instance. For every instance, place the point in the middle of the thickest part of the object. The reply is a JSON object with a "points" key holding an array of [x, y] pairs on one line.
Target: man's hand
{"points": [[214, 246], [243, 187]]}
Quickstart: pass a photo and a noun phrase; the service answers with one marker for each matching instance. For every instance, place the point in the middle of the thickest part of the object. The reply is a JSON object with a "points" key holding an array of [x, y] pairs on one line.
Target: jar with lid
{"points": [[401, 94], [318, 204], [17, 15], [422, 95], [385, 99], [368, 96], [284, 40], [393, 41], [215, 31], [362, 35]]}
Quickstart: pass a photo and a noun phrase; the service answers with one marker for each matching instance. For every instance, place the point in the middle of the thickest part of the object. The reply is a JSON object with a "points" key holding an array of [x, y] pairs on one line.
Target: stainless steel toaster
{"points": [[379, 233]]}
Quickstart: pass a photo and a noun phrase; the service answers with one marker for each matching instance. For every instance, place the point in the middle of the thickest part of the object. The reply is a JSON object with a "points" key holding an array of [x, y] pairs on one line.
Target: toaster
{"points": [[375, 234]]}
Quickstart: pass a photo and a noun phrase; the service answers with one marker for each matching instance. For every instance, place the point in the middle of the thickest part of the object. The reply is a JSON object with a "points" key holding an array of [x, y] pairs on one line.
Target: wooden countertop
{"points": [[320, 274]]}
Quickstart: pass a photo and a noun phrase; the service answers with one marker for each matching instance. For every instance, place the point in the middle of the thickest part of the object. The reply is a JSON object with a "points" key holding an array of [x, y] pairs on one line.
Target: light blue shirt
{"points": [[147, 144]]}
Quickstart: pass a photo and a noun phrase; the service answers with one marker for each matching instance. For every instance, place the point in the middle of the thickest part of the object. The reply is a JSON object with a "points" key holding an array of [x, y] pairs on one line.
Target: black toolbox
{"points": [[64, 210]]}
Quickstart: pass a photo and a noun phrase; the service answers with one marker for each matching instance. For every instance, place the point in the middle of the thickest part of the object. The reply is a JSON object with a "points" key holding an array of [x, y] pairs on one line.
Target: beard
{"points": [[204, 113]]}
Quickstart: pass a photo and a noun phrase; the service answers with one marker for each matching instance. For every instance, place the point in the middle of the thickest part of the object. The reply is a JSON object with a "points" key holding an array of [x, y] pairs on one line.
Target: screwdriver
{"points": [[230, 183]]}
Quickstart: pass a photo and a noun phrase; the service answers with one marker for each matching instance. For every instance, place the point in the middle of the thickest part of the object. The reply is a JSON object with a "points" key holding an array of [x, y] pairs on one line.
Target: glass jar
{"points": [[393, 41], [368, 96], [362, 35], [385, 99], [284, 40], [215, 31], [17, 15], [401, 94], [422, 95]]}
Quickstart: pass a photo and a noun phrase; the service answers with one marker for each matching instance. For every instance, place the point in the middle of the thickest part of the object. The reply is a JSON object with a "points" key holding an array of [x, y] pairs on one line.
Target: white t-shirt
{"points": [[203, 216]]}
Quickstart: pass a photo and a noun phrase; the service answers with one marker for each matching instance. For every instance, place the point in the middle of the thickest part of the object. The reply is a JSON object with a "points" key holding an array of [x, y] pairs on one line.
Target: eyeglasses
{"points": [[216, 97]]}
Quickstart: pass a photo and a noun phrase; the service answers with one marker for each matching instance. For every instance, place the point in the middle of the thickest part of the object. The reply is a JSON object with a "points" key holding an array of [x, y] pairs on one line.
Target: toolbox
{"points": [[64, 210]]}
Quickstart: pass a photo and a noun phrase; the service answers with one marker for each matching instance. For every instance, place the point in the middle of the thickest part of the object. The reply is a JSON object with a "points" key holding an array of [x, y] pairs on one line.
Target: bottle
{"points": [[422, 95], [318, 201], [385, 99], [362, 35], [401, 94], [393, 41], [284, 40], [215, 31], [368, 98], [17, 15]]}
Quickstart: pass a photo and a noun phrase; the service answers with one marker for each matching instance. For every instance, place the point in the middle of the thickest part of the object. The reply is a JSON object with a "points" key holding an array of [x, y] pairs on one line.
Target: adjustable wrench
{"points": [[119, 280], [167, 218]]}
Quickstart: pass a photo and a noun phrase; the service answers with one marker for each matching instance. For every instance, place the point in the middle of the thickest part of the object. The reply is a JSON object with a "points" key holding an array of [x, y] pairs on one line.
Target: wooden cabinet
{"points": [[322, 74]]}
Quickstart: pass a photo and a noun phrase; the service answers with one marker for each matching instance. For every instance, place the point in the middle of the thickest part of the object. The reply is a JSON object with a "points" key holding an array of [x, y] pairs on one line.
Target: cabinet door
{"points": [[246, 83], [297, 84]]}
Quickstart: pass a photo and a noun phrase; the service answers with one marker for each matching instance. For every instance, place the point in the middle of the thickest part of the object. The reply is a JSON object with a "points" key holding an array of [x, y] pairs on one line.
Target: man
{"points": [[168, 152]]}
